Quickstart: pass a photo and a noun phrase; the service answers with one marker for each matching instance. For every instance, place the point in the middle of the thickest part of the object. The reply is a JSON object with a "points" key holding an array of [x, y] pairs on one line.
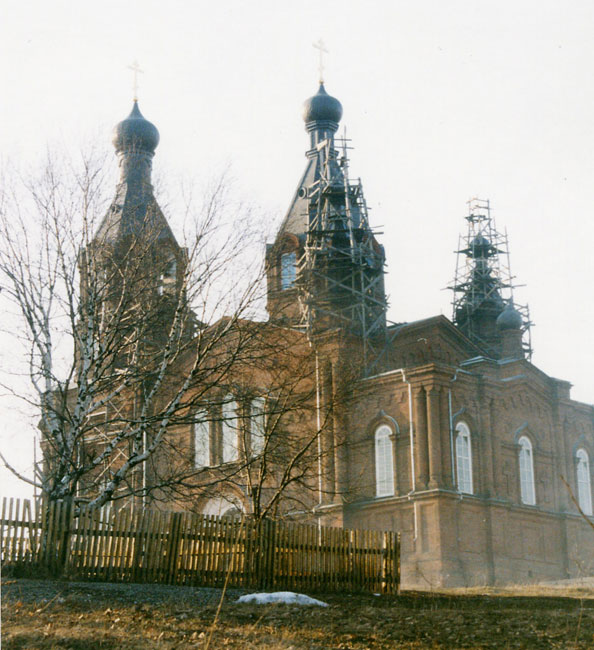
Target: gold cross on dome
{"points": [[136, 70], [321, 47]]}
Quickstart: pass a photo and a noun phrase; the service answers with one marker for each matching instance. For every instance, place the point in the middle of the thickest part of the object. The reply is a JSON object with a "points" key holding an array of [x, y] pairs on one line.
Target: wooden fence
{"points": [[184, 548]]}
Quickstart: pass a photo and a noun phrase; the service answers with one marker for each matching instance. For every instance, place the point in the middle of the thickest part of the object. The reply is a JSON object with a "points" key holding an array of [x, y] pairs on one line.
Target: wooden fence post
{"points": [[173, 546], [64, 533], [397, 561]]}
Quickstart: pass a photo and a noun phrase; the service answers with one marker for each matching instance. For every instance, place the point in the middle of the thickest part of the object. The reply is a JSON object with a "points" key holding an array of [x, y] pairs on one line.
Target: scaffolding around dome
{"points": [[340, 275], [483, 286]]}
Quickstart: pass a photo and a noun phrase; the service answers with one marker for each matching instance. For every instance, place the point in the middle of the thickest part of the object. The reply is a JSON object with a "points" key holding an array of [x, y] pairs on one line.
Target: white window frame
{"points": [[229, 432], [384, 461], [526, 469], [201, 432], [584, 484], [464, 478], [288, 270], [257, 425]]}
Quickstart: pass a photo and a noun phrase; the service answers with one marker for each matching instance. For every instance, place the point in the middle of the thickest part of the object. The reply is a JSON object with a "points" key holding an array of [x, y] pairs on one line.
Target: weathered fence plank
{"points": [[190, 549]]}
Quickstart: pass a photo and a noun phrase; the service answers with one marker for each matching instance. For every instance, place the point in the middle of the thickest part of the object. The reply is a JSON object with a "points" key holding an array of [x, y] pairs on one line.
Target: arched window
{"points": [[229, 429], [463, 458], [288, 270], [232, 514], [201, 428], [583, 481], [257, 425], [228, 507], [384, 462], [526, 463]]}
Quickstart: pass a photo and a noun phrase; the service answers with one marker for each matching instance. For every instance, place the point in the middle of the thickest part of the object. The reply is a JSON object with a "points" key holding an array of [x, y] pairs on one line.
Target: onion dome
{"points": [[509, 319], [322, 107], [480, 247], [135, 132]]}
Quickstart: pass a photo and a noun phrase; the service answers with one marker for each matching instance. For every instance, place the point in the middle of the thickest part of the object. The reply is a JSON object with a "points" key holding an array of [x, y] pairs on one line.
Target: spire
{"points": [[321, 114], [134, 209], [134, 249]]}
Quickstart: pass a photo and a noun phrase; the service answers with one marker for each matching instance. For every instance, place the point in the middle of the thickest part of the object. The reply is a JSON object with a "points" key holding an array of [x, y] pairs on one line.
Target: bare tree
{"points": [[134, 342], [117, 326], [576, 503]]}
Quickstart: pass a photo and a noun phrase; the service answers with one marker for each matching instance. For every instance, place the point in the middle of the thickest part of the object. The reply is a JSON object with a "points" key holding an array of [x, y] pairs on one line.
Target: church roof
{"points": [[296, 220], [132, 213]]}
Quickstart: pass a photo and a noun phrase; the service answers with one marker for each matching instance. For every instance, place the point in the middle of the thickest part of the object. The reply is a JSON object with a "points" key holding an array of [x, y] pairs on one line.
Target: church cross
{"points": [[136, 70], [322, 49]]}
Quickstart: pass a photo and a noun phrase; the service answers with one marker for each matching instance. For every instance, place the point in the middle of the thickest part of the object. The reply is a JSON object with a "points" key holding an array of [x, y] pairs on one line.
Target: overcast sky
{"points": [[443, 100]]}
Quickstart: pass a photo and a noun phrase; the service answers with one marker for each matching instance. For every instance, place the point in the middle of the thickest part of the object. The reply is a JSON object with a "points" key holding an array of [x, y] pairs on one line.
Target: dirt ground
{"points": [[53, 614]]}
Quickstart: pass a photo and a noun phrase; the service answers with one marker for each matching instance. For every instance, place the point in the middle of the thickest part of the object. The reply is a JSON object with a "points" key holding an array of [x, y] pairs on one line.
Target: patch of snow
{"points": [[287, 597]]}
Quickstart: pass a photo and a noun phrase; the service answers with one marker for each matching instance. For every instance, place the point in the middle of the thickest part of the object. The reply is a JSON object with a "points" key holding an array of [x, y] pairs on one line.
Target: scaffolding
{"points": [[483, 283], [340, 275]]}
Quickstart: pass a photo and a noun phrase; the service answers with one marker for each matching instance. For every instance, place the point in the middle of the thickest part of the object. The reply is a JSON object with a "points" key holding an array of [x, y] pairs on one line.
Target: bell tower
{"points": [[133, 272], [325, 269]]}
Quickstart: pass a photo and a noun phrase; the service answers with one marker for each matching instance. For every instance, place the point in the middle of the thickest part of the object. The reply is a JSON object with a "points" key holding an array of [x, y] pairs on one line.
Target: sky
{"points": [[444, 100]]}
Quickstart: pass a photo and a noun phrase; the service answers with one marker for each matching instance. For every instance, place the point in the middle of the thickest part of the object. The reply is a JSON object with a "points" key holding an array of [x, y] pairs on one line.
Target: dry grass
{"points": [[46, 615]]}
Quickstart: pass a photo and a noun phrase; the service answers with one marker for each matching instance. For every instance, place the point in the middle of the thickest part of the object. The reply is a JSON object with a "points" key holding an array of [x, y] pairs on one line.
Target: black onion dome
{"points": [[509, 319], [135, 132], [322, 107], [480, 246]]}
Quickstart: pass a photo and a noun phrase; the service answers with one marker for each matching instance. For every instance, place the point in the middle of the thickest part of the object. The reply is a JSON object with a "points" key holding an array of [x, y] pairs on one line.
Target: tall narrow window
{"points": [[526, 462], [384, 462], [257, 425], [168, 276], [201, 440], [288, 270], [229, 429], [583, 481], [463, 458]]}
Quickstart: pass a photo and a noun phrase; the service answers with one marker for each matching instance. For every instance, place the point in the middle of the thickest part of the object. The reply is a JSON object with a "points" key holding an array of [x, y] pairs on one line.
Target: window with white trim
{"points": [[288, 270], [384, 462], [463, 459], [201, 427], [526, 464], [584, 484], [257, 425], [229, 425]]}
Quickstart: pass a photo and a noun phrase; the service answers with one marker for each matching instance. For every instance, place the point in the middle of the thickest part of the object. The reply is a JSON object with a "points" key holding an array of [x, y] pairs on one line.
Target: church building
{"points": [[449, 434]]}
